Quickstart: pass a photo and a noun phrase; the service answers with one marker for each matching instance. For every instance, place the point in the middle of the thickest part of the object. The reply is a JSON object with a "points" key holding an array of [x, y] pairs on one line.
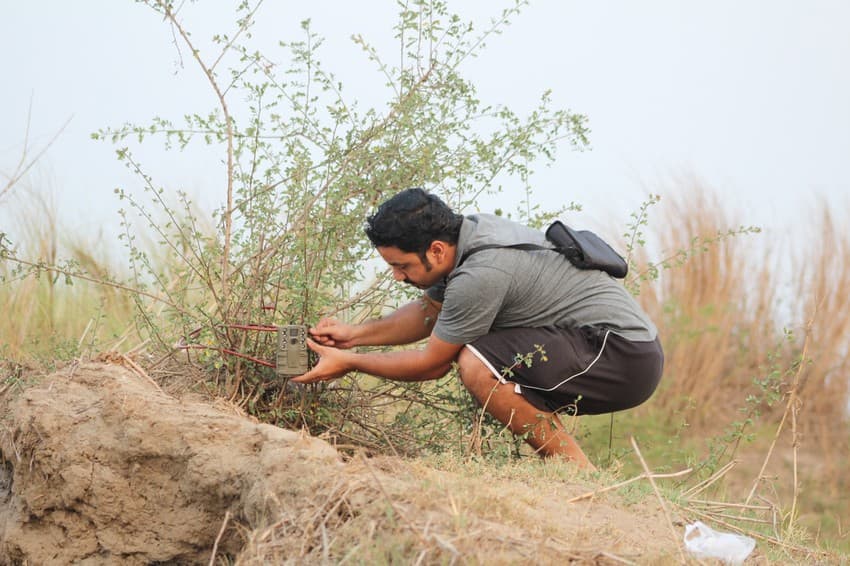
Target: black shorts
{"points": [[581, 371]]}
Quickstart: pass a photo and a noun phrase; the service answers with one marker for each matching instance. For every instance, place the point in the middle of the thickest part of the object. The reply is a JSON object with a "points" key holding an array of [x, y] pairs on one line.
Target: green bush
{"points": [[304, 166]]}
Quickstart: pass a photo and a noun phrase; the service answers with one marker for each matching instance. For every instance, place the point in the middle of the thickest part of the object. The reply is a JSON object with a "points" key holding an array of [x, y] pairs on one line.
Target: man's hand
{"points": [[332, 332], [333, 364]]}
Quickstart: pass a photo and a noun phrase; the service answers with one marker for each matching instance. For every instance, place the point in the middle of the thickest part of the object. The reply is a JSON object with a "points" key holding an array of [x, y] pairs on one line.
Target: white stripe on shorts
{"points": [[502, 379]]}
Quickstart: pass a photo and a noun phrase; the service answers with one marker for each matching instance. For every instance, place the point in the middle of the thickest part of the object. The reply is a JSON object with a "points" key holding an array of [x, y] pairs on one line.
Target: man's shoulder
{"points": [[486, 221], [486, 229]]}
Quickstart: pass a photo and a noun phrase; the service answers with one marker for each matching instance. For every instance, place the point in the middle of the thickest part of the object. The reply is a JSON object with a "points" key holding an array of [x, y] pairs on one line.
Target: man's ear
{"points": [[439, 250]]}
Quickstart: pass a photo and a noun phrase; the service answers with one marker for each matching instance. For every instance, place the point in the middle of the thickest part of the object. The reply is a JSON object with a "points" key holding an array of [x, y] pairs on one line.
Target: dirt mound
{"points": [[100, 466]]}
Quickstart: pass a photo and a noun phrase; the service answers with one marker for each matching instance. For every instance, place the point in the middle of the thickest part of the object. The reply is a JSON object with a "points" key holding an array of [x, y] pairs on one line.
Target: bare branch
{"points": [[228, 124], [25, 164]]}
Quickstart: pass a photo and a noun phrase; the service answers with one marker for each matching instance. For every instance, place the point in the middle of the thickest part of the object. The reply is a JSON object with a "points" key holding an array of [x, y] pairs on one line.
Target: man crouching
{"points": [[532, 334]]}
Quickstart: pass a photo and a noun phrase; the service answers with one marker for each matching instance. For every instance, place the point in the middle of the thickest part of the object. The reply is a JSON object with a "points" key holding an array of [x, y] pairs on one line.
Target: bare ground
{"points": [[100, 466]]}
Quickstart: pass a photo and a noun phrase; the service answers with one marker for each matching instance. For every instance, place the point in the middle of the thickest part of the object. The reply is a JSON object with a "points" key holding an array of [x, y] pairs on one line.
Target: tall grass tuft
{"points": [[735, 315], [756, 345], [49, 317], [822, 291], [712, 306]]}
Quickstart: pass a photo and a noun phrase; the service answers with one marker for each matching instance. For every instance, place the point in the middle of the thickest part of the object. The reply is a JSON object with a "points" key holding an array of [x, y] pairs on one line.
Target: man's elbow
{"points": [[437, 372]]}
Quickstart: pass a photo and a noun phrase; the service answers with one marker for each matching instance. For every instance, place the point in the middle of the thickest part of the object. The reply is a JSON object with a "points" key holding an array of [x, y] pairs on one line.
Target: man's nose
{"points": [[398, 275]]}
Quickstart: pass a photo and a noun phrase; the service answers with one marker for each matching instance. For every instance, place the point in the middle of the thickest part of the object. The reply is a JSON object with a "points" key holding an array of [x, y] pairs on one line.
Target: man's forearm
{"points": [[431, 362], [410, 323], [407, 365]]}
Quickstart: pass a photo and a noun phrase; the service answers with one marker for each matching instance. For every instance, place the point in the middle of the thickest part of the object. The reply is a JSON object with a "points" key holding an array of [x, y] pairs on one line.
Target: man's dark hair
{"points": [[411, 220]]}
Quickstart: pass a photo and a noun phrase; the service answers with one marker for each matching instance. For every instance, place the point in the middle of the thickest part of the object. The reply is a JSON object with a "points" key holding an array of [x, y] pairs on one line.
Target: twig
{"points": [[218, 538], [90, 279], [245, 25], [228, 124], [616, 558], [590, 494], [722, 504], [789, 408], [703, 485], [572, 552], [475, 440], [794, 442], [737, 517], [24, 165], [337, 496], [140, 372], [660, 500], [86, 331]]}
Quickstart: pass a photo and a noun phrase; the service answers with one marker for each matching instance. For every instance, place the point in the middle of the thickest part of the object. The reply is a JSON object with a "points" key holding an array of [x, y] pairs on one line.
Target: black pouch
{"points": [[586, 250]]}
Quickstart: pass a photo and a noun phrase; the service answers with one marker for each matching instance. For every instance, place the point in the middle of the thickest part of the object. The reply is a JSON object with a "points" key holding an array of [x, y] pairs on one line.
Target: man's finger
{"points": [[305, 378], [324, 326], [322, 335], [313, 375], [324, 340]]}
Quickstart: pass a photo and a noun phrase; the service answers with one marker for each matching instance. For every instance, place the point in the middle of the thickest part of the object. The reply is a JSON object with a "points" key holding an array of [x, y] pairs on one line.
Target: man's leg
{"points": [[544, 430]]}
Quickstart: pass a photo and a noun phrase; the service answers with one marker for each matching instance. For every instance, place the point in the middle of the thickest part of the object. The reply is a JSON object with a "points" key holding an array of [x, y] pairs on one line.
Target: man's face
{"points": [[409, 267]]}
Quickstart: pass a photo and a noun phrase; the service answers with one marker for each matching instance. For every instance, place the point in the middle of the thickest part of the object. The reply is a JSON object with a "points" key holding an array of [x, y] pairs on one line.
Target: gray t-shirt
{"points": [[508, 288]]}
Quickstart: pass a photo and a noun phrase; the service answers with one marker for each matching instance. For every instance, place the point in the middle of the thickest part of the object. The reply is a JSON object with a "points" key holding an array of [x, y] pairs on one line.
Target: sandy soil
{"points": [[100, 466]]}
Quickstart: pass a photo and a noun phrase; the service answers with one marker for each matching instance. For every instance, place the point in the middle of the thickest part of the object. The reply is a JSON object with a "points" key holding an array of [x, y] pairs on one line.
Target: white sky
{"points": [[751, 97]]}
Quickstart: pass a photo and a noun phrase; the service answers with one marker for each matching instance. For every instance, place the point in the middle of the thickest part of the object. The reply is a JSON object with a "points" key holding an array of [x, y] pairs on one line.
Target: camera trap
{"points": [[293, 356]]}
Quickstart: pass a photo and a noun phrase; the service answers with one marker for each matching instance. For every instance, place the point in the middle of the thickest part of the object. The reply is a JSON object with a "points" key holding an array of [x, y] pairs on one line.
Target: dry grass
{"points": [[386, 511], [47, 316], [731, 369], [713, 311], [822, 290], [723, 313], [462, 511]]}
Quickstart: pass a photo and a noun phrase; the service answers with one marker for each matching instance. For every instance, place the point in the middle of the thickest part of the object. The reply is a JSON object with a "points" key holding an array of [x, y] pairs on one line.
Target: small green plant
{"points": [[649, 271], [768, 391]]}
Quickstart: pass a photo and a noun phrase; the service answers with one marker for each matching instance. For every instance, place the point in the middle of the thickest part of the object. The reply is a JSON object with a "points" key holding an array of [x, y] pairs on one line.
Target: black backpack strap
{"points": [[582, 248], [526, 247]]}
